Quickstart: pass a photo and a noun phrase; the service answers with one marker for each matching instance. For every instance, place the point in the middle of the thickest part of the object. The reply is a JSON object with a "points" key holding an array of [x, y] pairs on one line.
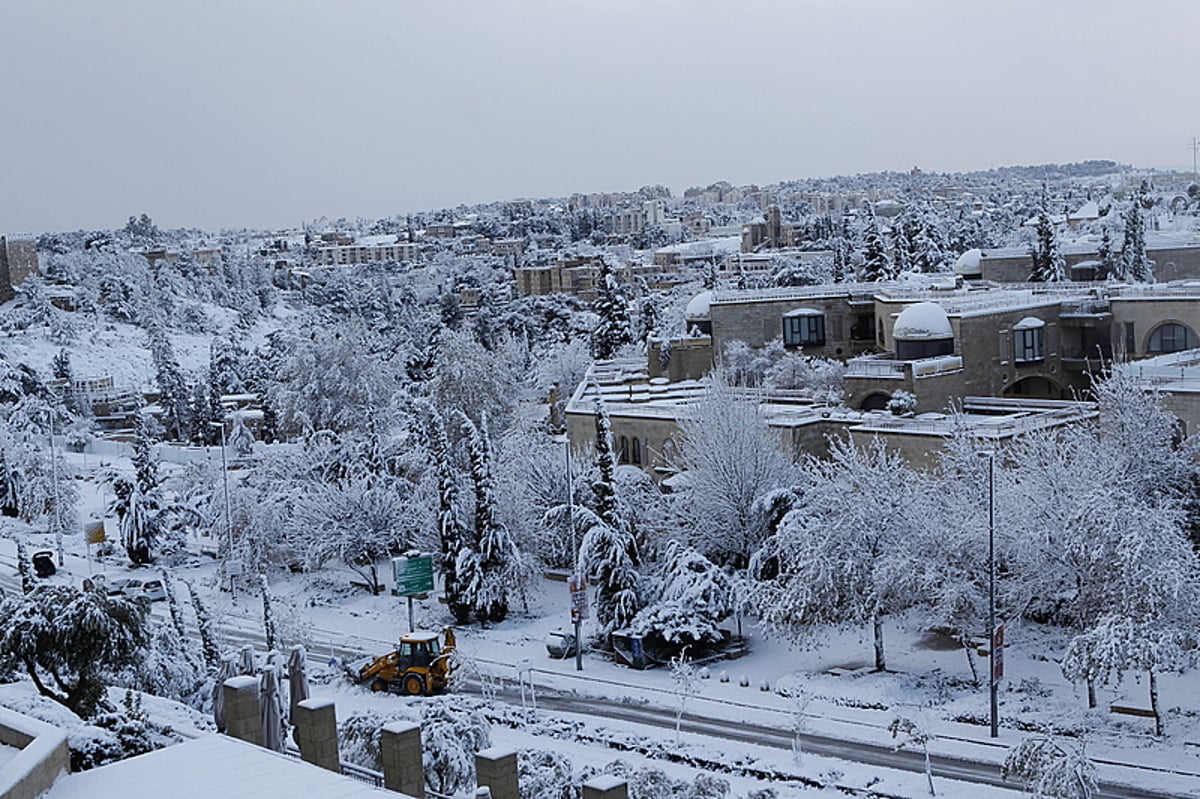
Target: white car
{"points": [[134, 587]]}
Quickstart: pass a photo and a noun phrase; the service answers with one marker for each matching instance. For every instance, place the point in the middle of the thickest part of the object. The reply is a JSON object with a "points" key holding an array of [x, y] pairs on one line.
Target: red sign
{"points": [[579, 597], [998, 653]]}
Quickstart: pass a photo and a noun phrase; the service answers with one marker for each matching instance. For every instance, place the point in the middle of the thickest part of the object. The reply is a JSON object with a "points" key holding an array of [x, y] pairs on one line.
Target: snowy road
{"points": [[237, 630]]}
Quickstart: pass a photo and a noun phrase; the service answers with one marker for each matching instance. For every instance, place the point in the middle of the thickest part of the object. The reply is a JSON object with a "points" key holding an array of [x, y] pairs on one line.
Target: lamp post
{"points": [[990, 455], [228, 515]]}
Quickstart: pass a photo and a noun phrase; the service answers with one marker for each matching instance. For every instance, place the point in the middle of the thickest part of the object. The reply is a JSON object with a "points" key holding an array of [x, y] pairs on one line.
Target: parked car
{"points": [[135, 587], [560, 644], [43, 563]]}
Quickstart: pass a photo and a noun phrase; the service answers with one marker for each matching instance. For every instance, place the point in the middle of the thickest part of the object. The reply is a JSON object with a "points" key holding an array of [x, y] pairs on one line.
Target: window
{"points": [[637, 451], [1172, 337], [623, 453], [1029, 341], [1130, 339], [804, 327]]}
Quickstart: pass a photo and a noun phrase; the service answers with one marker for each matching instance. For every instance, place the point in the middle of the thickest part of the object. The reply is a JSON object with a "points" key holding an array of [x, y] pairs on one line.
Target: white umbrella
{"points": [[297, 680], [227, 669], [272, 711]]}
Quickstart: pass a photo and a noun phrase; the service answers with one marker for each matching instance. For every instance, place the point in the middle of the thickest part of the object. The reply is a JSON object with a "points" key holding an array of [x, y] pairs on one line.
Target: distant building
{"points": [[371, 249], [18, 260]]}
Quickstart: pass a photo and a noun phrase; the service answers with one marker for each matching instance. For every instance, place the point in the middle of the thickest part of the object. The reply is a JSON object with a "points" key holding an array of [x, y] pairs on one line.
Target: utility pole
{"points": [[58, 533], [1195, 145]]}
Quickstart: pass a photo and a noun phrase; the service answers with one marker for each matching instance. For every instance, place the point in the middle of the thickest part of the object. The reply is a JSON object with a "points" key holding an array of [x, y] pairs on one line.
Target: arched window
{"points": [[1172, 337], [637, 451], [623, 451]]}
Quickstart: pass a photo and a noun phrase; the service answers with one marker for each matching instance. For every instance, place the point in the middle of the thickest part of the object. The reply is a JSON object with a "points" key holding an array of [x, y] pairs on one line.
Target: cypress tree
{"points": [[876, 264]]}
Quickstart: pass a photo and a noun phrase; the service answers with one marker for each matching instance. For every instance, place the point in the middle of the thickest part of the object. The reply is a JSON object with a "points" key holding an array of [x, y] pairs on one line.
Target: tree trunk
{"points": [[966, 645], [1158, 719], [877, 623], [1091, 688]]}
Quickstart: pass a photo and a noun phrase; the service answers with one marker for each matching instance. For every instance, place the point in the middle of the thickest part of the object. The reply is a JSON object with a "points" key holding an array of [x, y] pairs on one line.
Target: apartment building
{"points": [[370, 249], [18, 260]]}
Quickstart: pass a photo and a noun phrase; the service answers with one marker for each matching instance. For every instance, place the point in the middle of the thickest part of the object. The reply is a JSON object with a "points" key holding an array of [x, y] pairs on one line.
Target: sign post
{"points": [[579, 612], [93, 533], [414, 579]]}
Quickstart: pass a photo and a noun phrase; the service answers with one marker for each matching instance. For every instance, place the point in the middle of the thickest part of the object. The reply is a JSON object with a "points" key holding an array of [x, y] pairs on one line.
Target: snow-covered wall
{"points": [[44, 756]]}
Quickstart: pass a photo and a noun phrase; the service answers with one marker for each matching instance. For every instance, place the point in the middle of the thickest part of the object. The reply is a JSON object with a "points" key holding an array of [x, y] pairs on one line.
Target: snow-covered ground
{"points": [[786, 687]]}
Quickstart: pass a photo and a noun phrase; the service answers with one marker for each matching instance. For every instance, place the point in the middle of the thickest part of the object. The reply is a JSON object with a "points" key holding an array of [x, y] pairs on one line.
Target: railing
{"points": [[876, 367]]}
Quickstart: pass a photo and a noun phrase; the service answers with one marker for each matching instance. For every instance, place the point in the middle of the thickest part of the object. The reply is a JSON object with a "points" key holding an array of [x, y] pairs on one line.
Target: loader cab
{"points": [[417, 650]]}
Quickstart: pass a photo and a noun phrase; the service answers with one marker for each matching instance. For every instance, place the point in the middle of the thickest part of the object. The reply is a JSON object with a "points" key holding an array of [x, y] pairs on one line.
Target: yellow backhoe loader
{"points": [[419, 667]]}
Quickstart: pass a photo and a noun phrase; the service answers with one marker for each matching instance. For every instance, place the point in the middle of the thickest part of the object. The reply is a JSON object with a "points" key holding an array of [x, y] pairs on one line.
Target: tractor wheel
{"points": [[378, 685], [414, 685]]}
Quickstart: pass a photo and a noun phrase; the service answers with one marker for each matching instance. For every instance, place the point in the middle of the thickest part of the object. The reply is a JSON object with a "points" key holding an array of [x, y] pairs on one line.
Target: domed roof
{"points": [[925, 320], [1029, 323], [698, 307], [968, 262]]}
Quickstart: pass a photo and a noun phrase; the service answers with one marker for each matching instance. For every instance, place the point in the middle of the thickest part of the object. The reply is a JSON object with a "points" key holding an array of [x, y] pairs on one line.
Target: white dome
{"points": [[968, 262], [1029, 323], [698, 307], [925, 320]]}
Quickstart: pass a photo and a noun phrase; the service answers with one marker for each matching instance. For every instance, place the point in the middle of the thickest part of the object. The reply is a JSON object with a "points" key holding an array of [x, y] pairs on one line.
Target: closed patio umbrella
{"points": [[297, 680], [272, 711], [246, 664], [227, 669]]}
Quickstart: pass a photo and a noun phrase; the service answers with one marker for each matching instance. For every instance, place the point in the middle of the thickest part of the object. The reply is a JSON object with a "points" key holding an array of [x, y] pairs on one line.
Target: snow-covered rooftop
{"points": [[213, 765]]}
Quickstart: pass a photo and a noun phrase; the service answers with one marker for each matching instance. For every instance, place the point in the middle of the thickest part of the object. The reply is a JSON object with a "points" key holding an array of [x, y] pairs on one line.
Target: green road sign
{"points": [[414, 574]]}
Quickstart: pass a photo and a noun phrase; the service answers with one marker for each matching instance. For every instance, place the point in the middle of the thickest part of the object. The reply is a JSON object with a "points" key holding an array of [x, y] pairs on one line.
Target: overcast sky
{"points": [[264, 113]]}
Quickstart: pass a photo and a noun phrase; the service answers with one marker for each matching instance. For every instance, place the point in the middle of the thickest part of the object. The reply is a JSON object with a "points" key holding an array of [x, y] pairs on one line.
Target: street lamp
{"points": [[990, 455], [228, 515]]}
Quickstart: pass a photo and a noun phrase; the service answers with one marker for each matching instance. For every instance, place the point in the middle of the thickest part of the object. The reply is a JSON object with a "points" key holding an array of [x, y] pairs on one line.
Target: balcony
{"points": [[876, 368]]}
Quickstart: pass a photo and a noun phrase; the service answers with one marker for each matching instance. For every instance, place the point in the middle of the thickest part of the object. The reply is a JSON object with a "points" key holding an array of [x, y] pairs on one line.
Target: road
{"points": [[237, 631]]}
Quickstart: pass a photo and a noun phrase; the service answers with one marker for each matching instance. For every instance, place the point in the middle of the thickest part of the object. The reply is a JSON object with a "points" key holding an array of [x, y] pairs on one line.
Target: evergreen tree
{"points": [[609, 553], [204, 623], [145, 465], [1109, 265], [1048, 264], [488, 587], [613, 330], [901, 256], [877, 266], [452, 533], [241, 441], [1135, 264], [930, 245], [62, 367], [174, 398], [24, 568], [270, 634]]}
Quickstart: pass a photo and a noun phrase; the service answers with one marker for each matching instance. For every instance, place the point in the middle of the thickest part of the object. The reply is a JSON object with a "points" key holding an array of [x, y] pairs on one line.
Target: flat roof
{"points": [[212, 765]]}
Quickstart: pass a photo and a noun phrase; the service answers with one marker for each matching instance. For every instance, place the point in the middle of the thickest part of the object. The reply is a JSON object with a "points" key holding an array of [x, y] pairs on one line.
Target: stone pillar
{"points": [[243, 713], [316, 733], [496, 768], [400, 745], [605, 786]]}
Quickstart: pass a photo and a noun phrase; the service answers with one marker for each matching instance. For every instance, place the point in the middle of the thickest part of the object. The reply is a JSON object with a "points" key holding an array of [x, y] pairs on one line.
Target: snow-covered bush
{"points": [[545, 775], [450, 738]]}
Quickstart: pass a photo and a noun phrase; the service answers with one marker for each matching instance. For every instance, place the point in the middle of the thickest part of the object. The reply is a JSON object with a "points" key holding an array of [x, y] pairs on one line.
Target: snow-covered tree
{"points": [[1048, 263], [1051, 770], [485, 580], [67, 640], [877, 266], [174, 397], [609, 552], [1136, 265], [614, 329], [453, 534], [846, 556], [241, 440], [204, 623], [731, 458], [694, 599]]}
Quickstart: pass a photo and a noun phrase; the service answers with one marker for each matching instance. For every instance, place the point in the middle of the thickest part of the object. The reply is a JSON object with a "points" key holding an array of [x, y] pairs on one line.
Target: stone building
{"points": [[18, 260]]}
